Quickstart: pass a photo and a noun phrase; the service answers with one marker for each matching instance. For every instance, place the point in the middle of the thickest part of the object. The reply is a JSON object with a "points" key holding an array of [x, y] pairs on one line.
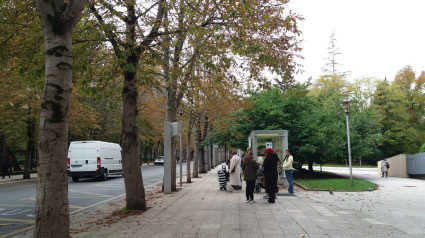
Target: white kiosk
{"points": [[259, 140]]}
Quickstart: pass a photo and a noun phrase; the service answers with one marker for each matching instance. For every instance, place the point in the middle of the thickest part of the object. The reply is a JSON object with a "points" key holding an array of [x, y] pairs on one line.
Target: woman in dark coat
{"points": [[270, 173], [249, 168]]}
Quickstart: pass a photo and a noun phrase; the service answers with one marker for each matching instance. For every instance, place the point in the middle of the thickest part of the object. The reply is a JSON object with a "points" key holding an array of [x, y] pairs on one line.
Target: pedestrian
{"points": [[249, 168], [6, 166], [235, 171], [384, 167], [260, 158], [243, 156], [270, 172], [287, 166]]}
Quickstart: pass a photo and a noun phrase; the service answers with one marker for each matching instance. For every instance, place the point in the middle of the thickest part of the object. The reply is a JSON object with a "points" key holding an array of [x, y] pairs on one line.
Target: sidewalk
{"points": [[17, 177], [200, 209]]}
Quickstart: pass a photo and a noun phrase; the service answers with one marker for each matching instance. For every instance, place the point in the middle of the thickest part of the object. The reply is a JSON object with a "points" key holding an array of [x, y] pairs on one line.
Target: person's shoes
{"points": [[2, 177], [251, 201], [247, 201], [270, 201]]}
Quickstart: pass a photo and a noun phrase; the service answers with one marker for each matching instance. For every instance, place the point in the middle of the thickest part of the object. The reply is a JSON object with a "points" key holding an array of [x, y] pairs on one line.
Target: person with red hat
{"points": [[270, 173]]}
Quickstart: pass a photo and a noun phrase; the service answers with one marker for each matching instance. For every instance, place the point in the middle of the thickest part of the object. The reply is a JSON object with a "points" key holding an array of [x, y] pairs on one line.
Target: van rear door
{"points": [[83, 153]]}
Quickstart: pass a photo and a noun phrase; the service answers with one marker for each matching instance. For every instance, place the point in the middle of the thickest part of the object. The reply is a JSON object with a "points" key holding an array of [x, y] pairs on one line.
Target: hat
{"points": [[269, 151]]}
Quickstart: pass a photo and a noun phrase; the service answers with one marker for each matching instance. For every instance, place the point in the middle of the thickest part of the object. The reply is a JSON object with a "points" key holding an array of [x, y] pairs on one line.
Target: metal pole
{"points": [[349, 148], [181, 160]]}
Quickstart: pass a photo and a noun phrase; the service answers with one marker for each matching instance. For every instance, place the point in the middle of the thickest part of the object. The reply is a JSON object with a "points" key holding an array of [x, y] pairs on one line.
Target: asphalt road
{"points": [[17, 199]]}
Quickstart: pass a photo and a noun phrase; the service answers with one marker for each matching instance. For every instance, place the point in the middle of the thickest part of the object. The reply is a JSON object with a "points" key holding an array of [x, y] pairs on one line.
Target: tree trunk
{"points": [[134, 189], [52, 205], [189, 139], [2, 149], [30, 147], [197, 153], [198, 150], [310, 166]]}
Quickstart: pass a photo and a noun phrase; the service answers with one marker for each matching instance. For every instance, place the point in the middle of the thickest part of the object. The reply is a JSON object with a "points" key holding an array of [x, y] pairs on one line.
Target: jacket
{"points": [[250, 170]]}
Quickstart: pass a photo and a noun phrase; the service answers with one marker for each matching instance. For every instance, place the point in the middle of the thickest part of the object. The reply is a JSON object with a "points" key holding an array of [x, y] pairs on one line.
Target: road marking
{"points": [[110, 199], [16, 187], [96, 194], [100, 185], [15, 212], [18, 220], [15, 205], [107, 200], [70, 213], [17, 232], [30, 198]]}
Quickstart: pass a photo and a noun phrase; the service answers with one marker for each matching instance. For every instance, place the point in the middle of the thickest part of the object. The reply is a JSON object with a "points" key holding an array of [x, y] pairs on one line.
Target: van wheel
{"points": [[75, 178], [104, 177]]}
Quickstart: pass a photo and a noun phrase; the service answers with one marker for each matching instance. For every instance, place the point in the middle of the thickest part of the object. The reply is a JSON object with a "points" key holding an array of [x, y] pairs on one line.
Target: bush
{"points": [[422, 149]]}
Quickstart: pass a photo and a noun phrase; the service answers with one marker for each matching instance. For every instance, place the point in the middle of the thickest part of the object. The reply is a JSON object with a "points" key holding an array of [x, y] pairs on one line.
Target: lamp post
{"points": [[346, 105], [180, 112]]}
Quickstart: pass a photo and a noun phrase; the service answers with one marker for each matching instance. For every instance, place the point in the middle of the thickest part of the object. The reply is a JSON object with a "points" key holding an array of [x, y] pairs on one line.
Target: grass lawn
{"points": [[330, 181]]}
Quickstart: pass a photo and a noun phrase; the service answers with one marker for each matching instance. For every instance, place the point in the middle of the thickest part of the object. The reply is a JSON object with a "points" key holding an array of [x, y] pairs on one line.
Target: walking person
{"points": [[235, 171], [249, 168], [6, 166], [384, 167], [287, 166], [270, 172]]}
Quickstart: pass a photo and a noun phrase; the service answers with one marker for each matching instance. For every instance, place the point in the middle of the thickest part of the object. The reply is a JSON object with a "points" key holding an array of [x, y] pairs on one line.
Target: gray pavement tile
{"points": [[211, 226], [275, 235], [201, 210], [189, 230], [229, 234], [295, 235], [207, 235], [184, 235], [251, 234]]}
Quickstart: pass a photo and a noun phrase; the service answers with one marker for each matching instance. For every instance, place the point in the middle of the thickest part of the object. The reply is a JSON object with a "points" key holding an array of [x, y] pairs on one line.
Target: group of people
{"points": [[250, 166]]}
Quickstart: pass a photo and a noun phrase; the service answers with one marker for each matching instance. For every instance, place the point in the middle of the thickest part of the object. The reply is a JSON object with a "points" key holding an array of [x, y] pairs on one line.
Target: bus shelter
{"points": [[259, 140]]}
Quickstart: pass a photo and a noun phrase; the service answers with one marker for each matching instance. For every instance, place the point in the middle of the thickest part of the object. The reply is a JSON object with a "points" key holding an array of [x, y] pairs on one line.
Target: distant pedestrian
{"points": [[287, 166], [6, 166], [235, 171], [270, 172], [250, 168], [384, 167]]}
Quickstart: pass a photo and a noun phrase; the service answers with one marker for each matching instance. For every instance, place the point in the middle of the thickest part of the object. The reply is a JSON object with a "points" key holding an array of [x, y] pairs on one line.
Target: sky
{"points": [[376, 38]]}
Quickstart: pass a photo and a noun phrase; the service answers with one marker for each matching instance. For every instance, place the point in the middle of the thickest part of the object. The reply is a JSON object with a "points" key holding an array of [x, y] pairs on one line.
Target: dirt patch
{"points": [[109, 213]]}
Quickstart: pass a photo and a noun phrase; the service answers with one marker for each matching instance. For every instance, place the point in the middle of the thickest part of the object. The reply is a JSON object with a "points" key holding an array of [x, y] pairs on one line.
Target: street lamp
{"points": [[346, 105], [180, 112]]}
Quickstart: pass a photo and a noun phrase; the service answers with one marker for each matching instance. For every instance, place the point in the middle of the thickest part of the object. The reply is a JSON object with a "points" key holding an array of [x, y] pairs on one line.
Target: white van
{"points": [[88, 159]]}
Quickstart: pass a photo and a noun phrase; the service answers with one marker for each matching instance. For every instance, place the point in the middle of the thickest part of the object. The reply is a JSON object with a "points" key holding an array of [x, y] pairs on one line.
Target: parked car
{"points": [[88, 159], [159, 160]]}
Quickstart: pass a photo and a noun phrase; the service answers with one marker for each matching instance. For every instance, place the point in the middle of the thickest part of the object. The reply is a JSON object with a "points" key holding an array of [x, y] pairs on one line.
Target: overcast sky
{"points": [[376, 38]]}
